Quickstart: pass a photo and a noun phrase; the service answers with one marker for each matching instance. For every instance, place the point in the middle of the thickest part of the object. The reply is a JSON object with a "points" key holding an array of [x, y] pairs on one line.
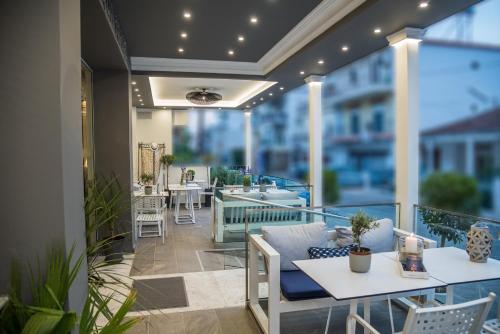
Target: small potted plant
{"points": [[247, 183], [147, 180], [360, 257], [190, 175]]}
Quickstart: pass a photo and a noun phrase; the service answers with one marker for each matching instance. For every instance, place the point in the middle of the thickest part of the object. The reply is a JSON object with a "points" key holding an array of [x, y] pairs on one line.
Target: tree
{"points": [[453, 192]]}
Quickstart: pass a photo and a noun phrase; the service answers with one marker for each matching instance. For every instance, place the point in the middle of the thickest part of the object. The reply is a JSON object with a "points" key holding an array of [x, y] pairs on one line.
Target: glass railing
{"points": [[450, 229]]}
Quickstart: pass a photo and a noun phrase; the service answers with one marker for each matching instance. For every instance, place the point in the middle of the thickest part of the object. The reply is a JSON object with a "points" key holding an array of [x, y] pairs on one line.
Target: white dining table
{"points": [[190, 190], [446, 266]]}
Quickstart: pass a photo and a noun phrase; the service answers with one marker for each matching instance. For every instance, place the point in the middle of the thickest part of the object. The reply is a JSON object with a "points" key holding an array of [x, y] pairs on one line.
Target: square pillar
{"points": [[248, 139], [406, 74], [314, 84]]}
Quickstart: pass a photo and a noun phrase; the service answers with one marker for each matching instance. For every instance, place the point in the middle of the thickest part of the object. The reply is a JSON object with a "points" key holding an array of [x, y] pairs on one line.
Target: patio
{"points": [[136, 223]]}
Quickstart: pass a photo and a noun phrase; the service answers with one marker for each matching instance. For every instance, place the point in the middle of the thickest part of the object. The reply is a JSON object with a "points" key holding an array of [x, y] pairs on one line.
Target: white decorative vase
{"points": [[479, 243]]}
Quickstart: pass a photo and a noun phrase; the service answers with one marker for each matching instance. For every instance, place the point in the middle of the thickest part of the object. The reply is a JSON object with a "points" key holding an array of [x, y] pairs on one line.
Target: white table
{"points": [[383, 280], [189, 189]]}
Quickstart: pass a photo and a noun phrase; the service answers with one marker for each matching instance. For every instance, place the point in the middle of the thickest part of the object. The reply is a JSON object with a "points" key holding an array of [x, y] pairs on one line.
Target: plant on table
{"points": [[359, 256], [247, 183], [453, 192], [167, 160]]}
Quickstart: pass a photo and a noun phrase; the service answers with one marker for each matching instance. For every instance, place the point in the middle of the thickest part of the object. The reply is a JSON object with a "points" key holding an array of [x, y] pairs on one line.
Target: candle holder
{"points": [[411, 257]]}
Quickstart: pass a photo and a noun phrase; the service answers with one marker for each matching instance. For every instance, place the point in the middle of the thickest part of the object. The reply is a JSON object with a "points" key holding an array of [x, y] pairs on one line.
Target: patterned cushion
{"points": [[322, 253]]}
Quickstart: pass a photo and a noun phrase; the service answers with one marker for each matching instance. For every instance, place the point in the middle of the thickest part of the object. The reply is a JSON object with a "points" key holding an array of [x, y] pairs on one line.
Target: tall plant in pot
{"points": [[167, 160], [247, 183], [147, 179], [360, 257]]}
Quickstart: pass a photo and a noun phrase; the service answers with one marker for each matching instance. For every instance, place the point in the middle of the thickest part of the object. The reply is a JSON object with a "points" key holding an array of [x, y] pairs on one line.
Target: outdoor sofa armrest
{"points": [[428, 243]]}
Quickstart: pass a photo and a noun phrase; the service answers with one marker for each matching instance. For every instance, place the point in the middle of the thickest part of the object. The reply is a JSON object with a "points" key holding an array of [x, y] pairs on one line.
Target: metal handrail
{"points": [[458, 214]]}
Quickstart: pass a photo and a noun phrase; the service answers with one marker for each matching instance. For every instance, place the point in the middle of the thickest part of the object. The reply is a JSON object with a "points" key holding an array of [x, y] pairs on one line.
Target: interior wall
{"points": [[40, 131], [151, 127]]}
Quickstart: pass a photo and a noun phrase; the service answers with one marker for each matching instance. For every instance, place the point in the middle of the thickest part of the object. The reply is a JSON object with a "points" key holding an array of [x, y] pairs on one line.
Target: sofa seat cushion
{"points": [[295, 285], [325, 252]]}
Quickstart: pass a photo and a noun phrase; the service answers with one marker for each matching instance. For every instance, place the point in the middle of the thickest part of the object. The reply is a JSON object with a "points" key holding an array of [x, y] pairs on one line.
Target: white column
{"points": [[248, 139], [406, 77], [470, 157], [315, 83]]}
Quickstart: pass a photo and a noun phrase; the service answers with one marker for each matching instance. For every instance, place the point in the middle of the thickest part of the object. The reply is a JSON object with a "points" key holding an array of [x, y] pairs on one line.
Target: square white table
{"points": [[383, 280]]}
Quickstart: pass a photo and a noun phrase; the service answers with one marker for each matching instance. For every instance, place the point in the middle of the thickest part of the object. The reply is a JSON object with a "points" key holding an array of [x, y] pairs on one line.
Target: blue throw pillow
{"points": [[322, 253]]}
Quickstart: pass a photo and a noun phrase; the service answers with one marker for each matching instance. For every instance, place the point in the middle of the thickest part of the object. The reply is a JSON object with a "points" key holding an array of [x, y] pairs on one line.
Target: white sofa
{"points": [[230, 215], [277, 303]]}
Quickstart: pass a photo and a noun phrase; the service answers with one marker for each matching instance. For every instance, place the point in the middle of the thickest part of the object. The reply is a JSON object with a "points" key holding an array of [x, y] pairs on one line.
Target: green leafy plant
{"points": [[147, 178], [453, 192], [361, 224], [247, 181]]}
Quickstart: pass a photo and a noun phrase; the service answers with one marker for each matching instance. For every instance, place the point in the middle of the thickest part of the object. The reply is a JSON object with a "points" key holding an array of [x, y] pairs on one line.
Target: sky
{"points": [[484, 26]]}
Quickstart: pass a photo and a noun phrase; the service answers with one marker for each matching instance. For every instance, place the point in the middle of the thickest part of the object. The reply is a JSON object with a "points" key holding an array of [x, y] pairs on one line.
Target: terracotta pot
{"points": [[360, 261]]}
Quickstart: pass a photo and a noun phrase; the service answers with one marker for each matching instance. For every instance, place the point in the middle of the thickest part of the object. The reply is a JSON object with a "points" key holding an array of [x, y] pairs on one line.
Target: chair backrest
{"points": [[467, 318], [145, 203]]}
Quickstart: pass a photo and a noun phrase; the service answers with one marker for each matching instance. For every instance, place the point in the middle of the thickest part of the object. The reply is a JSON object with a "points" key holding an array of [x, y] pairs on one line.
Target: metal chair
{"points": [[459, 318], [150, 212]]}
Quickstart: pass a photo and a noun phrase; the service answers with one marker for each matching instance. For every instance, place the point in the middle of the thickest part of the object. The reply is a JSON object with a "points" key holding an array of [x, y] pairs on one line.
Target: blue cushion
{"points": [[295, 285], [322, 253]]}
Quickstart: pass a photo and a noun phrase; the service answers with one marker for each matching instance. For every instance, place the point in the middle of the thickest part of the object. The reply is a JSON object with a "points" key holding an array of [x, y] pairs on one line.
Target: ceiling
{"points": [[171, 92], [320, 35], [153, 27]]}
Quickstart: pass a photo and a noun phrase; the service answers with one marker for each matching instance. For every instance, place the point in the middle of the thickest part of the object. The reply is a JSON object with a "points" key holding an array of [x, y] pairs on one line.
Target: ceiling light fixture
{"points": [[254, 19], [181, 50], [423, 4], [377, 31], [345, 48], [321, 62], [133, 82], [184, 35], [241, 38], [302, 72], [187, 15], [230, 52], [203, 97]]}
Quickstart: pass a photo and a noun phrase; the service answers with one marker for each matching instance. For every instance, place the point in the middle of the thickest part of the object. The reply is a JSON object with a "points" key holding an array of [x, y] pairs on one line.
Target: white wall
{"points": [[149, 127]]}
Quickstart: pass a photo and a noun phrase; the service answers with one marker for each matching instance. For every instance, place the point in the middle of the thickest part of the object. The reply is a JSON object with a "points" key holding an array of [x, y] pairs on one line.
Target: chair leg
{"points": [[328, 320]]}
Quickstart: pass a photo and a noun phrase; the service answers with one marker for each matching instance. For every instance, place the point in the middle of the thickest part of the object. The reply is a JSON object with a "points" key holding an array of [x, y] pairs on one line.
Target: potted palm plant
{"points": [[247, 183], [147, 179], [360, 257], [167, 160]]}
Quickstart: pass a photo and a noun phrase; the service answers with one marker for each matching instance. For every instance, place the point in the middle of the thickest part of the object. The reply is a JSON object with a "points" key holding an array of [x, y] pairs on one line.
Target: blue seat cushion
{"points": [[295, 285]]}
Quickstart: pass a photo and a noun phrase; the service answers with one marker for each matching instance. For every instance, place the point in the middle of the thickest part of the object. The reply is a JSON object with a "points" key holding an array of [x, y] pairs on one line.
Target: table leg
{"points": [[351, 324], [449, 295], [366, 313]]}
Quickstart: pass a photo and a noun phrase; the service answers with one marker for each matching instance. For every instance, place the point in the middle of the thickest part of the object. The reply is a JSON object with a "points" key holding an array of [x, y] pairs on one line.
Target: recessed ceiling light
{"points": [[187, 15], [423, 4], [345, 48], [321, 62], [136, 89], [254, 19], [281, 88], [230, 52], [181, 50], [262, 99], [271, 94], [377, 30], [302, 72], [184, 35], [241, 38], [133, 82]]}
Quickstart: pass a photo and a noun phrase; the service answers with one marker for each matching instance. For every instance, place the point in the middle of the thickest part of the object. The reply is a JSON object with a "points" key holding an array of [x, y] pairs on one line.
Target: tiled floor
{"points": [[216, 296]]}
